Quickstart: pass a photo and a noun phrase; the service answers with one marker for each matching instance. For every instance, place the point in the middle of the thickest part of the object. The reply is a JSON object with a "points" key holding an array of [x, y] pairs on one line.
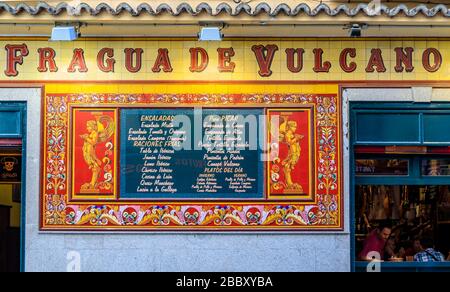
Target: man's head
{"points": [[384, 231], [427, 242], [417, 246], [292, 126]]}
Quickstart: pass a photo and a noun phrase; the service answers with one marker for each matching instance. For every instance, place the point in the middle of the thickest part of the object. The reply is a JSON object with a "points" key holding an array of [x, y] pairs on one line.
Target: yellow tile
{"points": [[371, 76]]}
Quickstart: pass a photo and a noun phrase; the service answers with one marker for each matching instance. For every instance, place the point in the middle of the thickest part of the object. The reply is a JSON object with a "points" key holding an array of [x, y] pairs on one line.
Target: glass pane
{"points": [[444, 206], [382, 167], [412, 212], [436, 167]]}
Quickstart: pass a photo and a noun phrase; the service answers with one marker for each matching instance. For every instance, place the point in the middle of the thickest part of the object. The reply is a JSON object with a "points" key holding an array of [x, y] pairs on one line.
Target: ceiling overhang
{"points": [[264, 18]]}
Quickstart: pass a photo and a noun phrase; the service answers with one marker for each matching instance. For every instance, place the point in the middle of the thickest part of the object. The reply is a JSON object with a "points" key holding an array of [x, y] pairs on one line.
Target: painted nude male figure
{"points": [[288, 135]]}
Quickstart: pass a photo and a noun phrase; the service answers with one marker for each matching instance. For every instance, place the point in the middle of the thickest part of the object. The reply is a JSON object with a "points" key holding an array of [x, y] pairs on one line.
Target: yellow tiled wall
{"points": [[246, 65]]}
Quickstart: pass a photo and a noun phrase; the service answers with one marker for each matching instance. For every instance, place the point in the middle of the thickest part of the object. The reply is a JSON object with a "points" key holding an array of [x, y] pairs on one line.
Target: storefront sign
{"points": [[232, 60], [246, 162], [10, 168]]}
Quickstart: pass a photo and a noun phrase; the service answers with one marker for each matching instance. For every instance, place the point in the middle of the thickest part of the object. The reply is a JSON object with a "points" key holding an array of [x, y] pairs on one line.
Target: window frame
{"points": [[414, 178]]}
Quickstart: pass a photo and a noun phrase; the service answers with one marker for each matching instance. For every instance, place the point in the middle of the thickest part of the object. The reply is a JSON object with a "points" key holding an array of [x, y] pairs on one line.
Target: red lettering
{"points": [[343, 60], [319, 65], [225, 64], [12, 58], [130, 56], [426, 60], [404, 57], [78, 61], [264, 57], [108, 64], [162, 61], [47, 60], [204, 59], [290, 54], [376, 59]]}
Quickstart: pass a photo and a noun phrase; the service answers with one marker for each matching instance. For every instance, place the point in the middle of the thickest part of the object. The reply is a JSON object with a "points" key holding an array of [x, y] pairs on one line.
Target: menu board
{"points": [[191, 154]]}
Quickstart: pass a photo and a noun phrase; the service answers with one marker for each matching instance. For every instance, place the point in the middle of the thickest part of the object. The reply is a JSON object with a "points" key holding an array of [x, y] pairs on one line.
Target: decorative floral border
{"points": [[60, 214]]}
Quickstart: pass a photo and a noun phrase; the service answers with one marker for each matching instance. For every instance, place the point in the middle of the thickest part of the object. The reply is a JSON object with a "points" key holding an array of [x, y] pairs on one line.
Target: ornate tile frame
{"points": [[60, 214]]}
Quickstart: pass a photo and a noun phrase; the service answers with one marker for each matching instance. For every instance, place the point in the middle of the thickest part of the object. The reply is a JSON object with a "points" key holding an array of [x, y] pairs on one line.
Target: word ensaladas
{"points": [[431, 60]]}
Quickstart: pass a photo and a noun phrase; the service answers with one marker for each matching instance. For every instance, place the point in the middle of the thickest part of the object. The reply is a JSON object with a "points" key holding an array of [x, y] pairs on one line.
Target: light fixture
{"points": [[355, 29], [211, 32], [65, 33]]}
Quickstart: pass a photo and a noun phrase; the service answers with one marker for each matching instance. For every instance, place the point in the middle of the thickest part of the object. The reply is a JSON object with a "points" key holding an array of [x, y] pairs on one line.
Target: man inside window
{"points": [[429, 254], [375, 243]]}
